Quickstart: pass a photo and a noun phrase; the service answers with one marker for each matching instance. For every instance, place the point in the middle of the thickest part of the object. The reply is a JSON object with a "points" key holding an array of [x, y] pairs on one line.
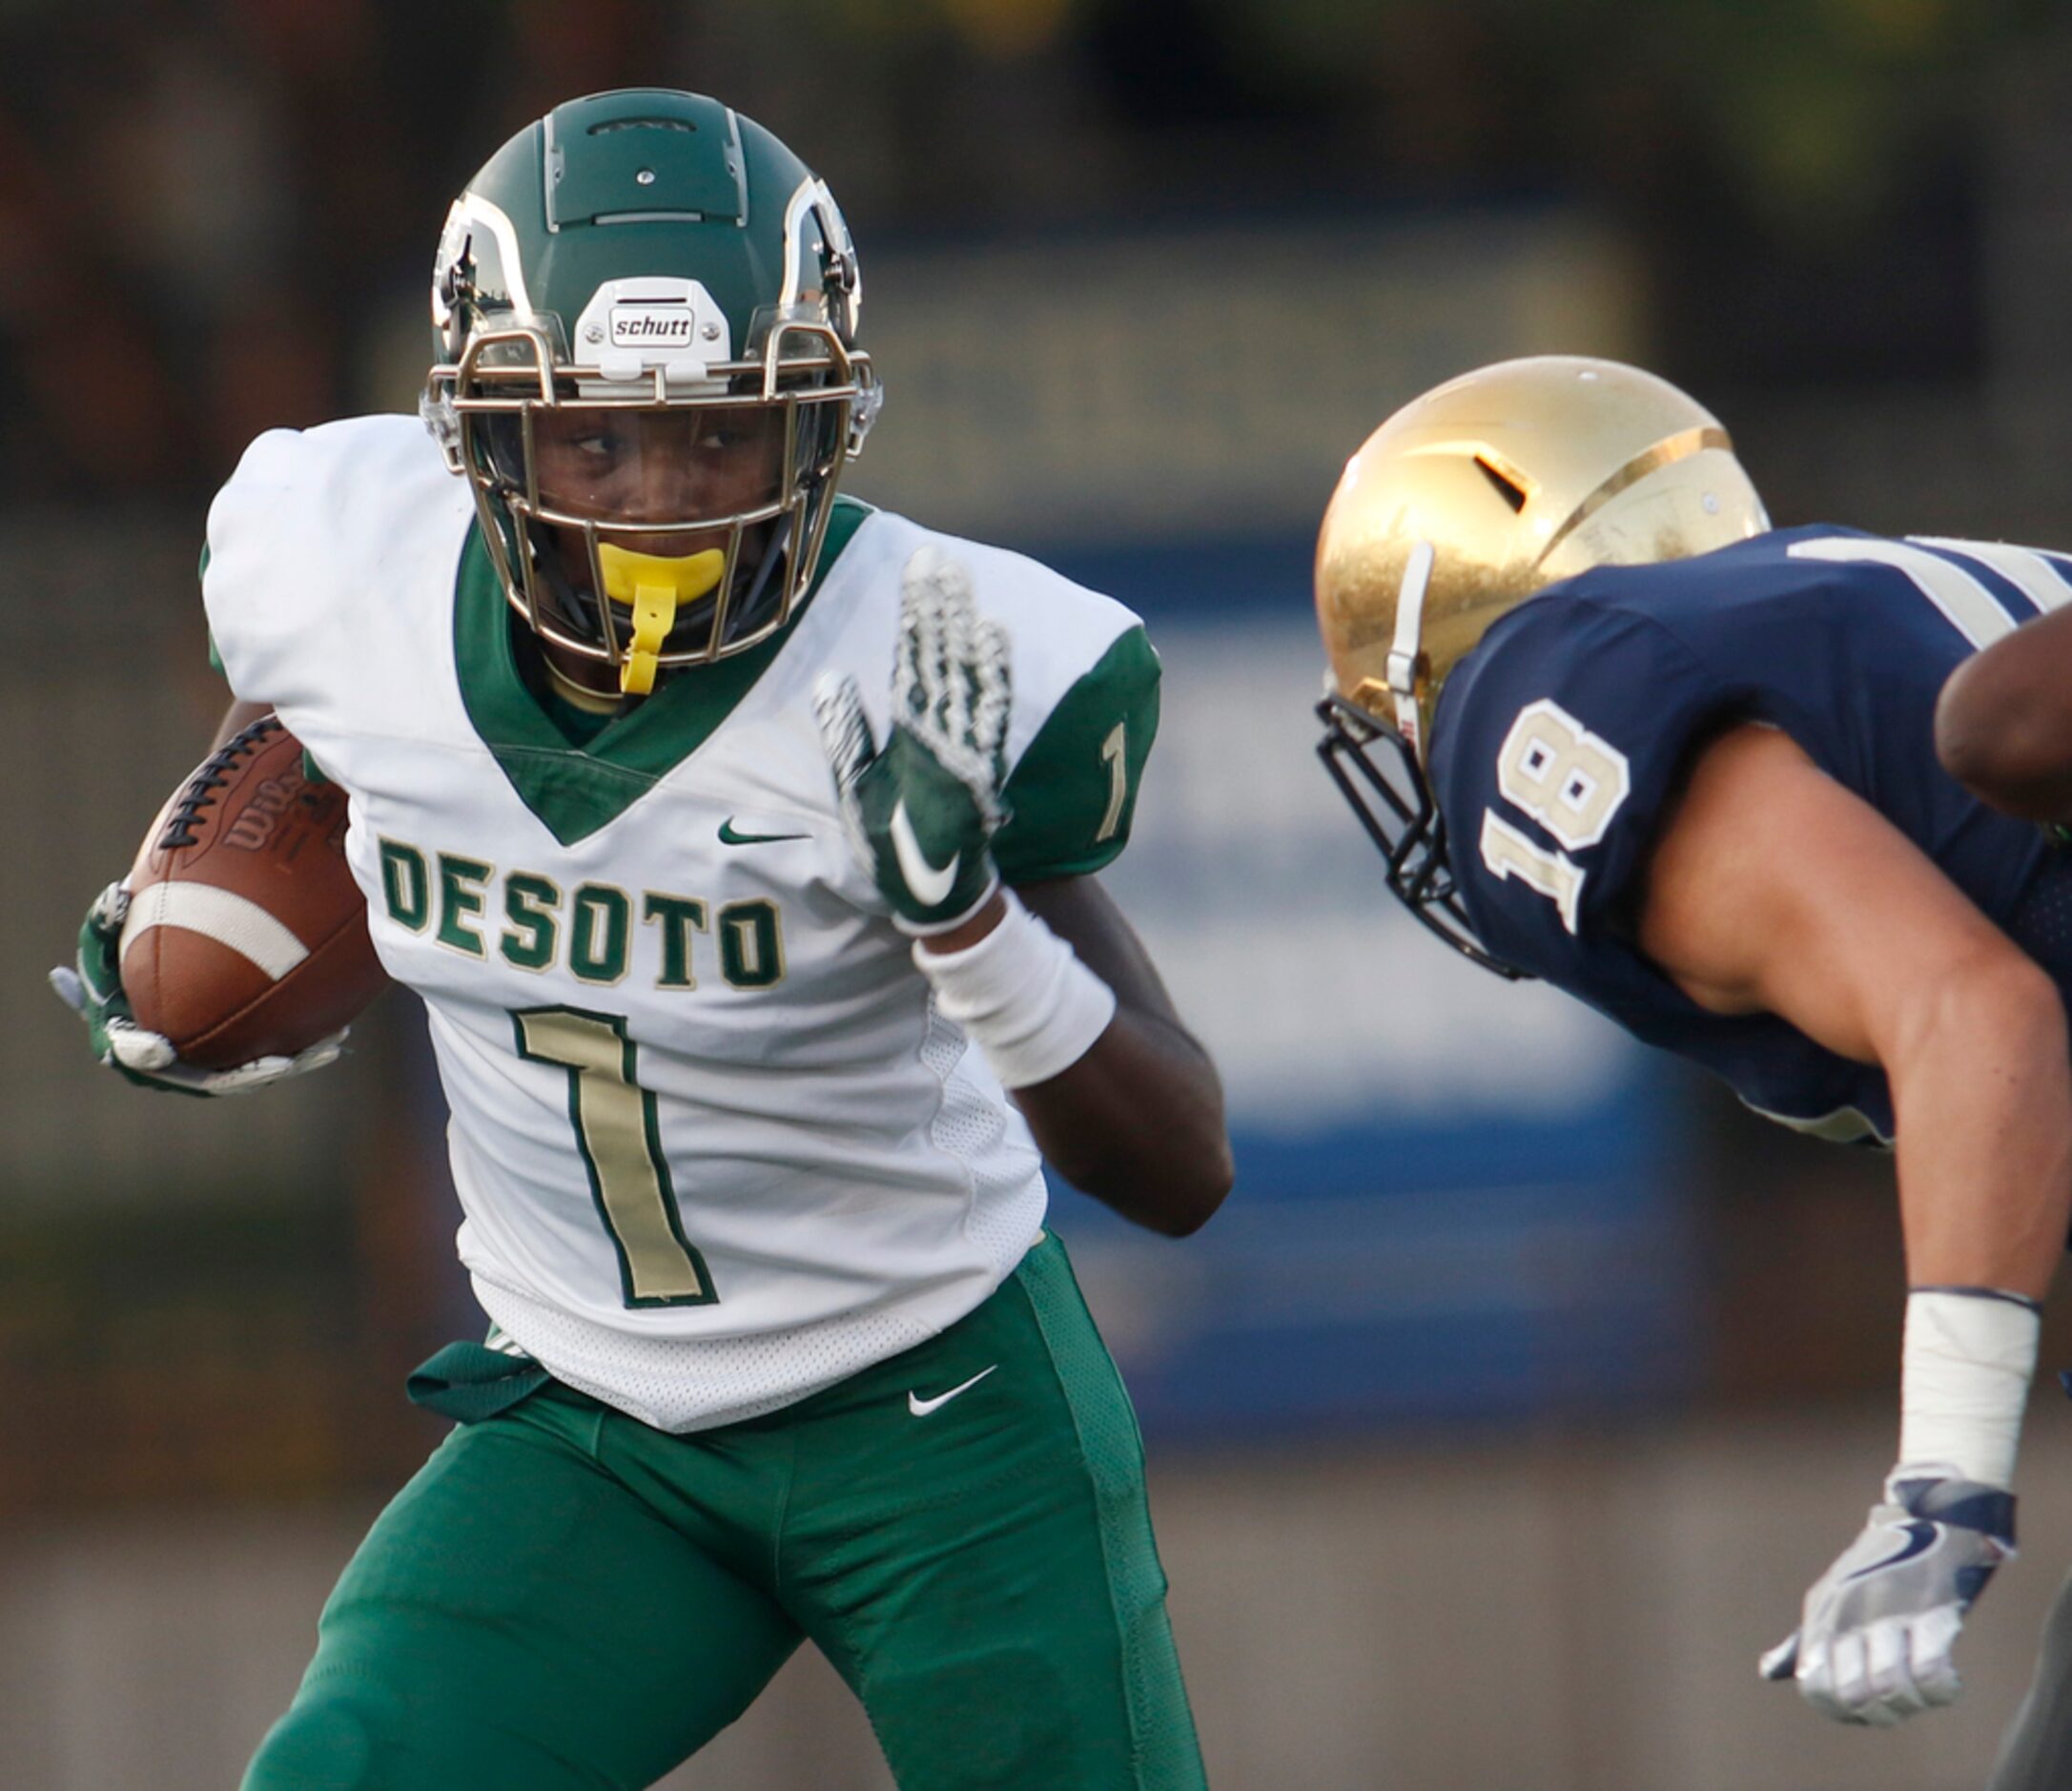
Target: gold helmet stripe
{"points": [[1663, 453]]}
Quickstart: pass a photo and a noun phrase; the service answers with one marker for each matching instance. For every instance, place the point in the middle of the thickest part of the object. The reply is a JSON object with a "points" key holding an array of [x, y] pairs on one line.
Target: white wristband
{"points": [[1022, 995], [1964, 1379]]}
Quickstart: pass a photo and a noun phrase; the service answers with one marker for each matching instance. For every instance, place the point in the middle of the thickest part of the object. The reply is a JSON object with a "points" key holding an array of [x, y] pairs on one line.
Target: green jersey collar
{"points": [[574, 790]]}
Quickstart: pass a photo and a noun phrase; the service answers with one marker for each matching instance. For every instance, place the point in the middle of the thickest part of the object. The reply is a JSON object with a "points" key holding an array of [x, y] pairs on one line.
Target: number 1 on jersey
{"points": [[1115, 754], [620, 1139]]}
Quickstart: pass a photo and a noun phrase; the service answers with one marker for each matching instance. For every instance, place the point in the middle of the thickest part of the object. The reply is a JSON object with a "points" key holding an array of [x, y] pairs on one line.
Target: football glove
{"points": [[922, 809], [1874, 1643], [93, 988]]}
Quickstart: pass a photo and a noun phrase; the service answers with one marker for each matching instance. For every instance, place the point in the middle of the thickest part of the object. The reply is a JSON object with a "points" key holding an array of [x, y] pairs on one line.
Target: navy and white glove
{"points": [[91, 987], [1874, 1641], [921, 809]]}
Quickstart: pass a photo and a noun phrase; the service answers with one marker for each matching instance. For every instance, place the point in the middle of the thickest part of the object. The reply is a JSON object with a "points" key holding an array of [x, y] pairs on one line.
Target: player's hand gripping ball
{"points": [[236, 951], [1879, 1625], [921, 809]]}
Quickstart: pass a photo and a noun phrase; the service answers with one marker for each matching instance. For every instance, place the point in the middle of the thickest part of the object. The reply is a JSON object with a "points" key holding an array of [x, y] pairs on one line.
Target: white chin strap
{"points": [[1404, 649]]}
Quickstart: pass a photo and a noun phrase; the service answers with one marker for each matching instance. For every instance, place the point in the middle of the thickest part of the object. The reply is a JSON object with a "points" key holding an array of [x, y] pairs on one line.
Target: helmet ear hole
{"points": [[1507, 489]]}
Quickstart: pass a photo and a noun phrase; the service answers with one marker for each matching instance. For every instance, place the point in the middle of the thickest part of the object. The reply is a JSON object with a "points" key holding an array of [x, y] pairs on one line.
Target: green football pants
{"points": [[567, 1598]]}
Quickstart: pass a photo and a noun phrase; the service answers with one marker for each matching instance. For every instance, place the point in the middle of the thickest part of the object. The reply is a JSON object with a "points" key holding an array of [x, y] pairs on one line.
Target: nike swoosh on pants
{"points": [[921, 1407]]}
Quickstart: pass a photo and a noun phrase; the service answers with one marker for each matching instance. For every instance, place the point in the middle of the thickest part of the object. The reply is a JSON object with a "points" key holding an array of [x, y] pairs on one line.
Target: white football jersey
{"points": [[714, 1148]]}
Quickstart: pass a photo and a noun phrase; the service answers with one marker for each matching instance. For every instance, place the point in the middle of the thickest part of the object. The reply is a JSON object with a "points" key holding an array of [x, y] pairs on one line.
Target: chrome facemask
{"points": [[640, 609]]}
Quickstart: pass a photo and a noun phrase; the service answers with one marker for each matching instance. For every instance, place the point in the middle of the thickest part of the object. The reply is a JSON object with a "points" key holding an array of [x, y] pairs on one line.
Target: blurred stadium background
{"points": [[1507, 1411]]}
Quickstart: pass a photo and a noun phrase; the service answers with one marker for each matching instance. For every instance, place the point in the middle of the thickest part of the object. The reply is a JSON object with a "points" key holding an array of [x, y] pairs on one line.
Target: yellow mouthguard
{"points": [[653, 584]]}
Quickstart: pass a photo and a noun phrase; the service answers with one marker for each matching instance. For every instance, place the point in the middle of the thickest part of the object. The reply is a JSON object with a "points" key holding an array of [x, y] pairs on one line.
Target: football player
{"points": [[1612, 730], [2003, 730], [741, 841]]}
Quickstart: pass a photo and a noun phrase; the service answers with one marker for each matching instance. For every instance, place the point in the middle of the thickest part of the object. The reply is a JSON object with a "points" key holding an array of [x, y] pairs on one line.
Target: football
{"points": [[247, 936]]}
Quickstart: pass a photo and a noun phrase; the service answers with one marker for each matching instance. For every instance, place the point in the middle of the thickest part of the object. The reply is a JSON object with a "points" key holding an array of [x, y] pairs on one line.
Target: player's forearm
{"points": [[1984, 1093], [1138, 1122], [1122, 1097], [2003, 728], [1984, 1096]]}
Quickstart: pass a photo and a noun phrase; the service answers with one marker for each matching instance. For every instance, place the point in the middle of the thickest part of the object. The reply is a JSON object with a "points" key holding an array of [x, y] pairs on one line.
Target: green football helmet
{"points": [[645, 310]]}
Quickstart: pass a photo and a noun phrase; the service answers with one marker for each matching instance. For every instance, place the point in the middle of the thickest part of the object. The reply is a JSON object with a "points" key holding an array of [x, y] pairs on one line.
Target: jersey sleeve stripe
{"points": [[2037, 576], [1966, 604]]}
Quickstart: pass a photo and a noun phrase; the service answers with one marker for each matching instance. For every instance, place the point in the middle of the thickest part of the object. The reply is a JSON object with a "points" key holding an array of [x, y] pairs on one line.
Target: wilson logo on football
{"points": [[644, 326], [256, 825]]}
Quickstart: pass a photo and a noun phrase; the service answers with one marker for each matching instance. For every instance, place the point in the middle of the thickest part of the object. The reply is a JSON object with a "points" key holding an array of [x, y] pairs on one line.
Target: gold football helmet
{"points": [[1463, 505]]}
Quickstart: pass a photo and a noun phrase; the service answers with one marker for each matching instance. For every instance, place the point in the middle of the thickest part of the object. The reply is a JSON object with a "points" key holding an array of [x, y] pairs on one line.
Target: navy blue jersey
{"points": [[1562, 738]]}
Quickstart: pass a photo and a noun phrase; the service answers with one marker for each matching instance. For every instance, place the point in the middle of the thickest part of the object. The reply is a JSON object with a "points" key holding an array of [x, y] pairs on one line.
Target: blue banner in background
{"points": [[1457, 1199]]}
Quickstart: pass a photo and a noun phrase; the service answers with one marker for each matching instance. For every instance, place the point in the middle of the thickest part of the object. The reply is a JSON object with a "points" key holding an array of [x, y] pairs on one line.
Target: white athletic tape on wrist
{"points": [[1964, 1378], [1022, 995]]}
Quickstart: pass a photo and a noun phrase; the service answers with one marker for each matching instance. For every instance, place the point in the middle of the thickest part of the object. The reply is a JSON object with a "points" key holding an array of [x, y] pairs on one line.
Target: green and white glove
{"points": [[91, 987], [922, 809]]}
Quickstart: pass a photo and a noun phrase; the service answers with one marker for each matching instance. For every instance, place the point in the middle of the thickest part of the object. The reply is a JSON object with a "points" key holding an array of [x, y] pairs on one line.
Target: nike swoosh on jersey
{"points": [[921, 1407], [728, 838], [931, 883], [1920, 1538]]}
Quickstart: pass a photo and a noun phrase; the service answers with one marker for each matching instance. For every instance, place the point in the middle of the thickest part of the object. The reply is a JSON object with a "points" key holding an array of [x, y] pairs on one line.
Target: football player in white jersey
{"points": [[740, 840]]}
